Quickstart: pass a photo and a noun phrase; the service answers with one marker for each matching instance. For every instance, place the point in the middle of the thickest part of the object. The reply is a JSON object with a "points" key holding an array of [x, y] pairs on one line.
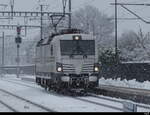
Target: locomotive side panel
{"points": [[48, 60], [38, 59]]}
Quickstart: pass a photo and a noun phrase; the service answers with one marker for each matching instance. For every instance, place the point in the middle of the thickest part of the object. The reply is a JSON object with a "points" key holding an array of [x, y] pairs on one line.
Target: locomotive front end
{"points": [[78, 64]]}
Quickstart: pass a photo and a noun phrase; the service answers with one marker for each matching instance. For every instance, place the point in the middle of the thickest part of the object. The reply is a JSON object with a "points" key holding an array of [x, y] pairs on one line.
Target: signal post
{"points": [[18, 41]]}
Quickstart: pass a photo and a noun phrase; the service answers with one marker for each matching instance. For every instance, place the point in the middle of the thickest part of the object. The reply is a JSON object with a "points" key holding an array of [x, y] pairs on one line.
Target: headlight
{"points": [[96, 69], [59, 69]]}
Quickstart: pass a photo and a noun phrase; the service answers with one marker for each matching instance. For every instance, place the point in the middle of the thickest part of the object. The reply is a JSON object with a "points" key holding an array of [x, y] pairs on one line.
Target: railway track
{"points": [[76, 98], [5, 107], [134, 94], [100, 102], [110, 103], [130, 90], [139, 106], [90, 98], [135, 91], [18, 104]]}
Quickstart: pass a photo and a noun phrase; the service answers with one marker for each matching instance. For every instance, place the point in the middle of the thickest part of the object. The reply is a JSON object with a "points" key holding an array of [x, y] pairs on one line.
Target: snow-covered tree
{"points": [[107, 56]]}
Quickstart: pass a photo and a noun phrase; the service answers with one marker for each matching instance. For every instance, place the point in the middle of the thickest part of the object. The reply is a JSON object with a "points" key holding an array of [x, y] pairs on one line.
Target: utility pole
{"points": [[3, 54], [18, 60], [18, 41], [131, 12], [41, 6], [12, 7], [70, 7], [116, 32], [3, 57]]}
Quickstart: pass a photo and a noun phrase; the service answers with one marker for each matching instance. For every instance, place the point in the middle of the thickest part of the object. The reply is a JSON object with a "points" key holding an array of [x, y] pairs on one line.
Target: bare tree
{"points": [[141, 39], [91, 20], [135, 46]]}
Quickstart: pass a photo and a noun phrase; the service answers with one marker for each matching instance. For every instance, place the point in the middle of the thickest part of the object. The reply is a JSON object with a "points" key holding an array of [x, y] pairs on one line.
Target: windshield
{"points": [[77, 47]]}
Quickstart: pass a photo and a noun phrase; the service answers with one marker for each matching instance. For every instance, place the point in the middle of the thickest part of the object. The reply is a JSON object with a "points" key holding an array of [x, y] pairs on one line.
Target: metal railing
{"points": [[128, 106], [133, 107]]}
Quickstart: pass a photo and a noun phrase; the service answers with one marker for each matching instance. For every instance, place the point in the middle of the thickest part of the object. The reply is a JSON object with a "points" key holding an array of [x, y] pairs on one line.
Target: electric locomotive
{"points": [[67, 60]]}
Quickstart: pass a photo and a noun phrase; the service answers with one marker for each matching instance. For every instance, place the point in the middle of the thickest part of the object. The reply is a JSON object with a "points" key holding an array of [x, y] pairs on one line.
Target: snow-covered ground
{"points": [[58, 102], [53, 101], [125, 83]]}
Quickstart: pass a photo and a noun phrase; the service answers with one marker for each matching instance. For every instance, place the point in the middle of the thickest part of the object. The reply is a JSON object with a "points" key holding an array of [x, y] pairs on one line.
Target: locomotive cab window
{"points": [[77, 47]]}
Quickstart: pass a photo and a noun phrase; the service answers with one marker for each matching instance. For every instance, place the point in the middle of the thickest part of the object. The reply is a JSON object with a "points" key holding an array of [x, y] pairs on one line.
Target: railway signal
{"points": [[18, 41], [18, 30]]}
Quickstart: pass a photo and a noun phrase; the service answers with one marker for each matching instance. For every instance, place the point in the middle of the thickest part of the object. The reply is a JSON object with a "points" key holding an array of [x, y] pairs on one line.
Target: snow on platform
{"points": [[125, 83], [30, 78]]}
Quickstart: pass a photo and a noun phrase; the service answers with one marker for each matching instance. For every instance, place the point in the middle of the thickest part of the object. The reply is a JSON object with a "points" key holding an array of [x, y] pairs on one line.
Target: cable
{"points": [[133, 12]]}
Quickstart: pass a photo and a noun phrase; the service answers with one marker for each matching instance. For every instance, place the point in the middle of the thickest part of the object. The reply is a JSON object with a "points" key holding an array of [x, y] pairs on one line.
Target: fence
{"points": [[29, 69]]}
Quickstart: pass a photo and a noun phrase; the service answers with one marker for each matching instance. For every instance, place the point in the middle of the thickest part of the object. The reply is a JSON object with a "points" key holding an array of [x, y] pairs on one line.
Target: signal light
{"points": [[18, 40], [18, 30]]}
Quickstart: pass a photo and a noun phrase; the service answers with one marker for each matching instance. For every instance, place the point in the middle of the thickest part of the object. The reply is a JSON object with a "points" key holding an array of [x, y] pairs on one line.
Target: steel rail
{"points": [[9, 107], [105, 98], [28, 101], [100, 104]]}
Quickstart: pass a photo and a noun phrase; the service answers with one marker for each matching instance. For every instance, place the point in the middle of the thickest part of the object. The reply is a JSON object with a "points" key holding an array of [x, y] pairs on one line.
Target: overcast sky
{"points": [[102, 5]]}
